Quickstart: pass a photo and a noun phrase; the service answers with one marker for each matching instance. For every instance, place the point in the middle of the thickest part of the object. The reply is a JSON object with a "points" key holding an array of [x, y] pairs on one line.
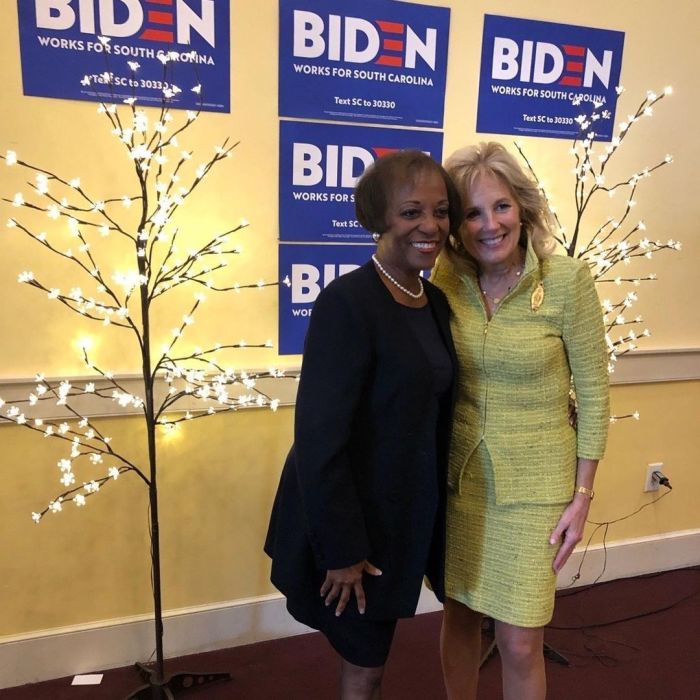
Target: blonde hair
{"points": [[466, 164]]}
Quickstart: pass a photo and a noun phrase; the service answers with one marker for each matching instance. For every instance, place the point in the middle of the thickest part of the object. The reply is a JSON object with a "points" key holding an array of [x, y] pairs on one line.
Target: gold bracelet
{"points": [[587, 491]]}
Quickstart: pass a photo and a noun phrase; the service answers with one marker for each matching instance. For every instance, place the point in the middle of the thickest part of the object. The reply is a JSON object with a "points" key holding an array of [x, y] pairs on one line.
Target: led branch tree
{"points": [[617, 240], [176, 384]]}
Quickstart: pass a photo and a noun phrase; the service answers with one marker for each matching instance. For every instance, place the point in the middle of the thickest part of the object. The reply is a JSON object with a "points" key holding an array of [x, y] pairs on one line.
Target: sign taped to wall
{"points": [[307, 269], [368, 61], [537, 77], [114, 50], [319, 165]]}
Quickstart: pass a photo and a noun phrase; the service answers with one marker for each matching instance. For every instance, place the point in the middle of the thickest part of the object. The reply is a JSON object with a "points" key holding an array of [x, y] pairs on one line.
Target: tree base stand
{"points": [[172, 686], [488, 627]]}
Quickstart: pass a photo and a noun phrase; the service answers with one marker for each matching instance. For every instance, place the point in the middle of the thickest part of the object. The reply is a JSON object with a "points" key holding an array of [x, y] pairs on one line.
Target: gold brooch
{"points": [[537, 297]]}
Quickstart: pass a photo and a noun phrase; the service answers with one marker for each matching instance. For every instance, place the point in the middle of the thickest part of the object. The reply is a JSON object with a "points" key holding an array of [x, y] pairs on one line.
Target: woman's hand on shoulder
{"points": [[341, 583]]}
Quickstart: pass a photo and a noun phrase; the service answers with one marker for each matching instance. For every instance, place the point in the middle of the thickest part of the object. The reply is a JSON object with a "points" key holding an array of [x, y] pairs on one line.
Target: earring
{"points": [[376, 236]]}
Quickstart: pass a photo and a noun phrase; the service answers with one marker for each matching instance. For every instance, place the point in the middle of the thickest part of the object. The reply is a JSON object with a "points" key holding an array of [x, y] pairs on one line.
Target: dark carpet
{"points": [[635, 639]]}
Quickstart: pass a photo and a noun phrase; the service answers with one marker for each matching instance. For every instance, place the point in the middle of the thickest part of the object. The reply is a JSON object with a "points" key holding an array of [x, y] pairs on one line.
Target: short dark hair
{"points": [[381, 179]]}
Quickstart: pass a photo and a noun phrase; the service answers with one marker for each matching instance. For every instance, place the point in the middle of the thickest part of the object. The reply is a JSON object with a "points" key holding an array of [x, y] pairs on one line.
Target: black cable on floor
{"points": [[607, 623]]}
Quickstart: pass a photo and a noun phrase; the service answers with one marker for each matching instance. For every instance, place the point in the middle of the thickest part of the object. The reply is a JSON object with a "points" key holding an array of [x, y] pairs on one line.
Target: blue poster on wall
{"points": [[537, 77], [376, 61], [319, 164], [114, 50], [306, 270]]}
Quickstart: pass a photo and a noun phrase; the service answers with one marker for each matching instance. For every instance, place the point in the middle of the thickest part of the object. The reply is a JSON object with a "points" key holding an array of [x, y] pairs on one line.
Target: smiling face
{"points": [[491, 229], [417, 223]]}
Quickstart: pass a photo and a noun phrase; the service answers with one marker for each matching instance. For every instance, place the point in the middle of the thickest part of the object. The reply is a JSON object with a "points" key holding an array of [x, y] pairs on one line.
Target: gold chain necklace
{"points": [[498, 299]]}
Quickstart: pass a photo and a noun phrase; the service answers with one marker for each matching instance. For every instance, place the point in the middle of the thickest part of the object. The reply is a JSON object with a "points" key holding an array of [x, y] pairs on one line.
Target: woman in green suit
{"points": [[520, 478]]}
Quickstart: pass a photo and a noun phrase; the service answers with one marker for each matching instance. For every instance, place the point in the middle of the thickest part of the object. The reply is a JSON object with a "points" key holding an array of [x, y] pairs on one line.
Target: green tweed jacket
{"points": [[514, 377]]}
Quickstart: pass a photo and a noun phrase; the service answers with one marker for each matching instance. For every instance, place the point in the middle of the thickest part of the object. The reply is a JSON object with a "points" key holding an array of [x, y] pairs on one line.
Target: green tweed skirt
{"points": [[498, 559]]}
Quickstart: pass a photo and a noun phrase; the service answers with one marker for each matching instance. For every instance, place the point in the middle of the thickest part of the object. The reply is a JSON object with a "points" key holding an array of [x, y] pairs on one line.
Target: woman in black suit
{"points": [[359, 515]]}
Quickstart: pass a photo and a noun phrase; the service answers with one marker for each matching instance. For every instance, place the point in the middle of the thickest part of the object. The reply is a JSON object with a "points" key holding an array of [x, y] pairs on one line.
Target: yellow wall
{"points": [[218, 479], [216, 485], [666, 432]]}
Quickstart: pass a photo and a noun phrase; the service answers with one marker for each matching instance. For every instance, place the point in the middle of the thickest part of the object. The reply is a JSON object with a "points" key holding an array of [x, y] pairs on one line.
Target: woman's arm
{"points": [[336, 363], [583, 334], [569, 529], [584, 340]]}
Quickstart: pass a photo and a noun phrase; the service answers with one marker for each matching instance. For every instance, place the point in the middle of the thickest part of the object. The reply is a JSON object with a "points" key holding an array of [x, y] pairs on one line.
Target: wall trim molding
{"points": [[638, 367], [65, 651], [645, 366], [634, 556]]}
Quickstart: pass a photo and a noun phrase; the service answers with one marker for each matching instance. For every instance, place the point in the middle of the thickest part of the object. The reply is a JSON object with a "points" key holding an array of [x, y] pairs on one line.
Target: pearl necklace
{"points": [[413, 295]]}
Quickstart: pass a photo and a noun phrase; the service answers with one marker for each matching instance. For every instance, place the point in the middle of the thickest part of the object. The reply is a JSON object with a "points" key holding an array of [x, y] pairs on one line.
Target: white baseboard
{"points": [[108, 644], [633, 557]]}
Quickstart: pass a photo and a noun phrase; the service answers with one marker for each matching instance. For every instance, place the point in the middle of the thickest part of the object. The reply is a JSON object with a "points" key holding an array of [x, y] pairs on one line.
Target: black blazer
{"points": [[359, 482]]}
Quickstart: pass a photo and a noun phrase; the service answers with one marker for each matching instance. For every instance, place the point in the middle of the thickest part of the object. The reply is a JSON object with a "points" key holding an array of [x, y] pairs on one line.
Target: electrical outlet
{"points": [[650, 483]]}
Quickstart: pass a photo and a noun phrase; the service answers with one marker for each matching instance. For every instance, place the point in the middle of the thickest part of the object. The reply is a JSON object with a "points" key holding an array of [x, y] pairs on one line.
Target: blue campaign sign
{"points": [[537, 77], [375, 61], [307, 269], [319, 165], [62, 55]]}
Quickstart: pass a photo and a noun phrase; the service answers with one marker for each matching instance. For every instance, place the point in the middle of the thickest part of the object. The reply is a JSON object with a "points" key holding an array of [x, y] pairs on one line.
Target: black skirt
{"points": [[359, 641]]}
